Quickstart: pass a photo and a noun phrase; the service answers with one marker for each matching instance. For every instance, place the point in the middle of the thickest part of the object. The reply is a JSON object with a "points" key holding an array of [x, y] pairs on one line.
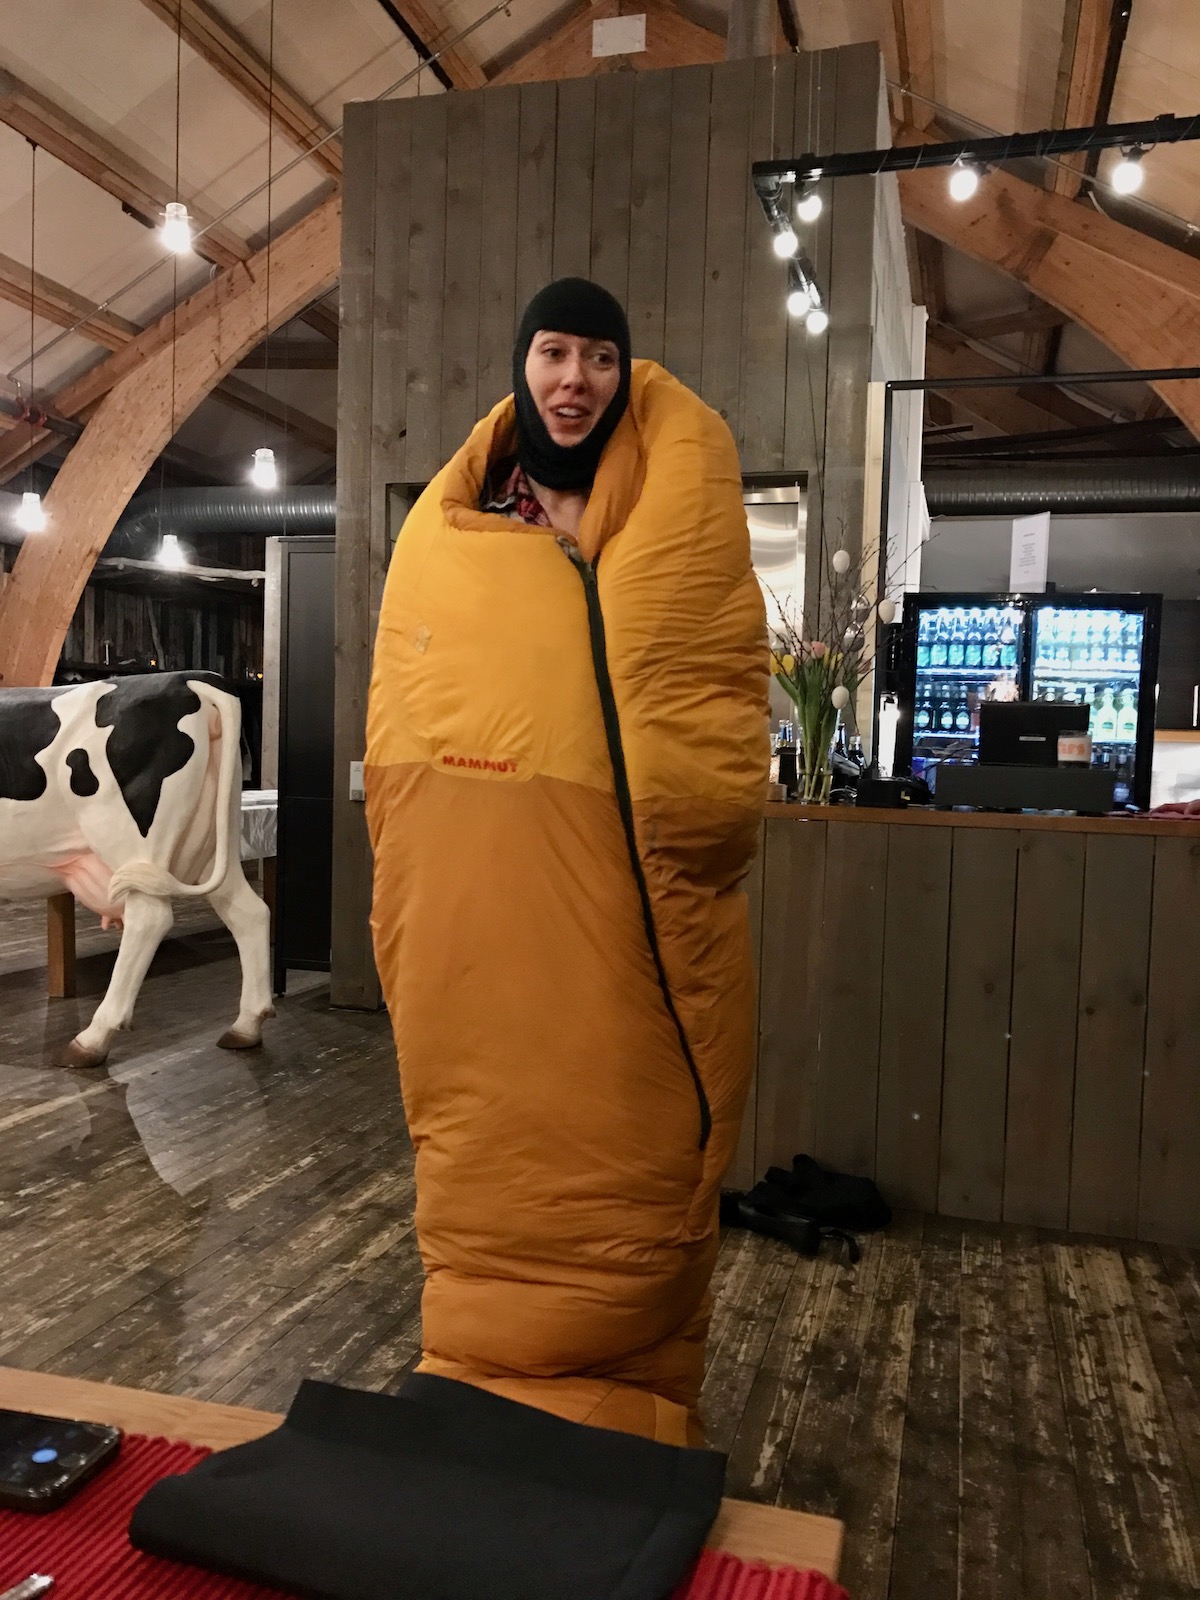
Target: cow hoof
{"points": [[82, 1055], [231, 1039]]}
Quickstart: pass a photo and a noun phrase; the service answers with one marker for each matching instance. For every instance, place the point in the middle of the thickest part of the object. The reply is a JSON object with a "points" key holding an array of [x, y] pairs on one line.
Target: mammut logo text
{"points": [[479, 764]]}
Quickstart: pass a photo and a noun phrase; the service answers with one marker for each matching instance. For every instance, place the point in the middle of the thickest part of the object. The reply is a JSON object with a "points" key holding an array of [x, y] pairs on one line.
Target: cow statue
{"points": [[128, 792]]}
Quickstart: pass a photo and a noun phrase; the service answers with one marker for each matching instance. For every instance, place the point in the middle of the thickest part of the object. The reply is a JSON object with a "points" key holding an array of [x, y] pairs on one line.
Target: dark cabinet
{"points": [[1179, 665], [305, 852]]}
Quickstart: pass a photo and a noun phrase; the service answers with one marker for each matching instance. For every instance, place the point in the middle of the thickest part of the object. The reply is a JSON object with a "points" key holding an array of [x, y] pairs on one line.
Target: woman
{"points": [[566, 762]]}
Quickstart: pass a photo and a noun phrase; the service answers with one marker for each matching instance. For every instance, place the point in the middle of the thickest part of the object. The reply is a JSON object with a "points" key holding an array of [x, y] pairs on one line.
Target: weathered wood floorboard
{"points": [[996, 1412]]}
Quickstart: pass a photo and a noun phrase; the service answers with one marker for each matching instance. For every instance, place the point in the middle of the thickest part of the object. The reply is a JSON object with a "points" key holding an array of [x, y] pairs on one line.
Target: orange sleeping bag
{"points": [[566, 763]]}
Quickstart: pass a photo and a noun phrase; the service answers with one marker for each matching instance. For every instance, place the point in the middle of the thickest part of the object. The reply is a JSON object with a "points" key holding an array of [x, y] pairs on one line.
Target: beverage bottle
{"points": [[789, 765], [1114, 650], [958, 640], [1131, 634], [946, 714], [1127, 718], [1106, 719], [923, 720], [1085, 650], [1062, 639], [1008, 642], [991, 639], [973, 656], [939, 650], [962, 714], [924, 640]]}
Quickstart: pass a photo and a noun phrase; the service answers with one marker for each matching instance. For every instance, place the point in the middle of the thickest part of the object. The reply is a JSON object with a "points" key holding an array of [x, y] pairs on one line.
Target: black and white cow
{"points": [[127, 792]]}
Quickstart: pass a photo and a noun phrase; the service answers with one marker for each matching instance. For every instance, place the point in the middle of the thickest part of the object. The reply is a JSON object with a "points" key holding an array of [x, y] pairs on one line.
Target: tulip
{"points": [[818, 649]]}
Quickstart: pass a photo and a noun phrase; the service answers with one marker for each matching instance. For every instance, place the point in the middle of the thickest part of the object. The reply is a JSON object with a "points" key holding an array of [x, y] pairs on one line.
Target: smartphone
{"points": [[43, 1460]]}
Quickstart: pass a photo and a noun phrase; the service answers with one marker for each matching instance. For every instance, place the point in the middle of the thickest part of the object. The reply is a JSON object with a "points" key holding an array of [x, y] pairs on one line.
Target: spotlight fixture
{"points": [[802, 295], [176, 231], [964, 180], [799, 302], [817, 320], [1127, 175], [786, 242], [264, 474], [170, 552], [31, 513], [809, 206]]}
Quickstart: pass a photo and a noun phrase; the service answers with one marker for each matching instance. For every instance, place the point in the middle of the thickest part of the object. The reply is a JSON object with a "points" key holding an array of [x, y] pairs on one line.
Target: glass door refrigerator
{"points": [[956, 650]]}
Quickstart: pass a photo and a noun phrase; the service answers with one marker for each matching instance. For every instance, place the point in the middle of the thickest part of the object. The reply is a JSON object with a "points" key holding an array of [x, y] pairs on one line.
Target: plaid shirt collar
{"points": [[508, 493]]}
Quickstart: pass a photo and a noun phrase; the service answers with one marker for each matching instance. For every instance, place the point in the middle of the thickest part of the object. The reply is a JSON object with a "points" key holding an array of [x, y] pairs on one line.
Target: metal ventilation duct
{"points": [[1155, 483], [310, 509]]}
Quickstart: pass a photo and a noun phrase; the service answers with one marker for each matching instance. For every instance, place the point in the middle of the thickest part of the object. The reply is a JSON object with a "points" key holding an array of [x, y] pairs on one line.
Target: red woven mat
{"points": [[84, 1547]]}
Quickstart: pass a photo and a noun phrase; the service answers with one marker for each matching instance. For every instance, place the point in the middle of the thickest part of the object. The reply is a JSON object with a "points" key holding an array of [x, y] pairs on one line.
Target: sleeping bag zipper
{"points": [[616, 756]]}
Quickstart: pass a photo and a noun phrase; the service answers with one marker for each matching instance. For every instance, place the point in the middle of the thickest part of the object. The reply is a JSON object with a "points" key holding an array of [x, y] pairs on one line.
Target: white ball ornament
{"points": [[840, 698], [887, 611], [840, 561]]}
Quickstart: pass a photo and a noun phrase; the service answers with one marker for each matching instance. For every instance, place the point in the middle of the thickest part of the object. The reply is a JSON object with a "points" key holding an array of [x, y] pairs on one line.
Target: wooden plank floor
{"points": [[995, 1412]]}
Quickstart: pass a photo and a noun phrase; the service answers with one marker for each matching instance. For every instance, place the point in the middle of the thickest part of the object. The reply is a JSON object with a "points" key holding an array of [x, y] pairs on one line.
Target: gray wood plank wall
{"points": [[458, 207], [641, 181], [994, 1023]]}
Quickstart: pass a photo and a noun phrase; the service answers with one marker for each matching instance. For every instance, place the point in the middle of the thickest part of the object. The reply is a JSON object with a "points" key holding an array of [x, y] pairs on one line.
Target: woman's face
{"points": [[571, 381]]}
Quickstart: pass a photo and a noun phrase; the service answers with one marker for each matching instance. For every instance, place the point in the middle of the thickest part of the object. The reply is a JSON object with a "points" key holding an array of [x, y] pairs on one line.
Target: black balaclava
{"points": [[569, 305]]}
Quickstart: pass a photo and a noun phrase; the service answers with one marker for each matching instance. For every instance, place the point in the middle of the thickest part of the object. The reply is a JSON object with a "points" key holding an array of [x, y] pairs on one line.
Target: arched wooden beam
{"points": [[1137, 296], [133, 422]]}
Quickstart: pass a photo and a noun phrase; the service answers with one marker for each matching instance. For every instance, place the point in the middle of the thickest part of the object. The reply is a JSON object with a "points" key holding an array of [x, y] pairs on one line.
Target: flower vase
{"points": [[817, 734]]}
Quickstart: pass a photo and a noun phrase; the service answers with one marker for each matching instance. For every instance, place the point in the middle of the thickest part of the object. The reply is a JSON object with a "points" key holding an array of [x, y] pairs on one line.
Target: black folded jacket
{"points": [[443, 1492]]}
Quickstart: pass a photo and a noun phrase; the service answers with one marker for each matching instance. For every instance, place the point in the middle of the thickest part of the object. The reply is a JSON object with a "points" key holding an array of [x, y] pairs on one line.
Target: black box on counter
{"points": [[1002, 788]]}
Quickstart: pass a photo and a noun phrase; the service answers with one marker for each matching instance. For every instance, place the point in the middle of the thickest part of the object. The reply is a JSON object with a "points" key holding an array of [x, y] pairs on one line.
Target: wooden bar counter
{"points": [[997, 1016]]}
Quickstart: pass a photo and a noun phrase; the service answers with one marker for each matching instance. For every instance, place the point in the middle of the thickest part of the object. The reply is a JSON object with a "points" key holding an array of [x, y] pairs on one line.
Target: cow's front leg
{"points": [[249, 921], [147, 918]]}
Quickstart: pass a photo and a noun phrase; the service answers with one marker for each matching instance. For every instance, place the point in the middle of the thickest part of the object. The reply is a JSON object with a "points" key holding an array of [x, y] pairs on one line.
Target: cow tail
{"points": [[147, 877]]}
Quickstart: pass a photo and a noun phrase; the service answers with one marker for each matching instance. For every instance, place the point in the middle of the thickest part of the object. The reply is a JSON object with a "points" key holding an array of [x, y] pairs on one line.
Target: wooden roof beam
{"points": [[92, 157], [1140, 298], [214, 41], [1025, 410], [55, 303], [429, 23], [255, 402], [905, 29], [1033, 319], [66, 308], [65, 138], [291, 355], [1088, 29], [155, 381]]}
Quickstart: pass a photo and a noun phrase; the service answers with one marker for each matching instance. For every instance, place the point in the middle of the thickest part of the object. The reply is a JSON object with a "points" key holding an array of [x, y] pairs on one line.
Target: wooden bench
{"points": [[751, 1532]]}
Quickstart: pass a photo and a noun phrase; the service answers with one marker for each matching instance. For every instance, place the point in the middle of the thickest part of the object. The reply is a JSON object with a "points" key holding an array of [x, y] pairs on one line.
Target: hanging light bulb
{"points": [[264, 474], [964, 180], [786, 242], [817, 320], [799, 301], [170, 552], [176, 231], [1127, 175], [31, 514], [809, 206]]}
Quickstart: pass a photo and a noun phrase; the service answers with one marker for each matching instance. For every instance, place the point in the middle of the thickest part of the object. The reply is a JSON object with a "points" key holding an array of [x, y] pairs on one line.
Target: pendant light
{"points": [[264, 473], [176, 231], [31, 514]]}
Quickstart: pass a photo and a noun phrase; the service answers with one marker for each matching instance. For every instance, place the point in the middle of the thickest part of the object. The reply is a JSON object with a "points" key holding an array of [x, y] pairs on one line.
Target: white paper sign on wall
{"points": [[1030, 554], [619, 36]]}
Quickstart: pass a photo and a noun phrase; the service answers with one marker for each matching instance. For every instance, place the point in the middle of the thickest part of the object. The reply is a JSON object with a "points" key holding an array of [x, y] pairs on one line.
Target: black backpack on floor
{"points": [[807, 1205]]}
